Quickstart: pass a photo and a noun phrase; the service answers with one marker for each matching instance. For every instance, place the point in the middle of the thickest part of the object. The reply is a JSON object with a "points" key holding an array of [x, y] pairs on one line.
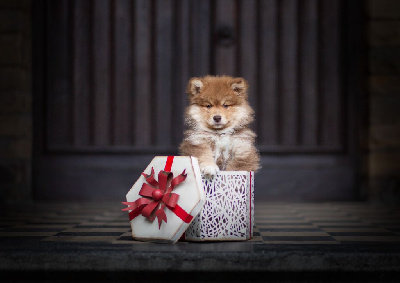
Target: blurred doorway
{"points": [[110, 78]]}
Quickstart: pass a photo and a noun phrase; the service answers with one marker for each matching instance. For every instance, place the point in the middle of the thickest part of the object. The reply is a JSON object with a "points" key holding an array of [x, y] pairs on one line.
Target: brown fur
{"points": [[220, 145]]}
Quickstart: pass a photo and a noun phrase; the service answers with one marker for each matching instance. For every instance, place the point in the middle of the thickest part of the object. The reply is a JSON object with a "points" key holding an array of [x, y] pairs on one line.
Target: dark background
{"points": [[92, 90]]}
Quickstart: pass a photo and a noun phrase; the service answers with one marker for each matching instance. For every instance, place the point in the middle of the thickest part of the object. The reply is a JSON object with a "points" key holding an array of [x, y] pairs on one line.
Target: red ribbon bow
{"points": [[158, 195]]}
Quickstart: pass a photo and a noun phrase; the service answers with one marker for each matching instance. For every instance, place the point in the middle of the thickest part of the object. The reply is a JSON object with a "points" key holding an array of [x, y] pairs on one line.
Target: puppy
{"points": [[217, 119]]}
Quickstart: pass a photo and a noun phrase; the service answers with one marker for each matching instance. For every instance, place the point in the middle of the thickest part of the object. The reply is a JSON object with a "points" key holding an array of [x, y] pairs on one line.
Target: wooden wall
{"points": [[117, 70]]}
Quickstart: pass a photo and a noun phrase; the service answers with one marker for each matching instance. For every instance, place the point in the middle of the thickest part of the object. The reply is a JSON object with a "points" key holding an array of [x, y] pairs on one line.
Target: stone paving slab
{"points": [[300, 237]]}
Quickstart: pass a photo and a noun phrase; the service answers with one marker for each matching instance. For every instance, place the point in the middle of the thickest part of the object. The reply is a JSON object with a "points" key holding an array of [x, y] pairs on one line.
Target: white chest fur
{"points": [[223, 146]]}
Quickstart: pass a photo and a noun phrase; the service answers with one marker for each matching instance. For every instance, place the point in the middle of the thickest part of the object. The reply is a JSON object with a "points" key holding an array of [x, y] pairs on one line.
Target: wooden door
{"points": [[110, 78]]}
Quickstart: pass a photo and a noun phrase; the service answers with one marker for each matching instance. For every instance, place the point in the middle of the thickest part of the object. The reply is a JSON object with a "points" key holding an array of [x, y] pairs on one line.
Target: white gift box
{"points": [[171, 199], [228, 214], [173, 221]]}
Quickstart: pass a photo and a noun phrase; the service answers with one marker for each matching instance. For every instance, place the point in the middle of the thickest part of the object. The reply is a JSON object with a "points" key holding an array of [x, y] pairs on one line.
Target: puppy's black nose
{"points": [[217, 118]]}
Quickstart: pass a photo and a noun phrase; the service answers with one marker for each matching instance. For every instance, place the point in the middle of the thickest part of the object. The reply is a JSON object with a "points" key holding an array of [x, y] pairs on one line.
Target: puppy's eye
{"points": [[225, 106], [208, 106]]}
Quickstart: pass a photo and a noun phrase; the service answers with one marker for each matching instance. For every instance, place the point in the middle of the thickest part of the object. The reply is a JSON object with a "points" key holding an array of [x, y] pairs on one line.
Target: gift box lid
{"points": [[165, 199]]}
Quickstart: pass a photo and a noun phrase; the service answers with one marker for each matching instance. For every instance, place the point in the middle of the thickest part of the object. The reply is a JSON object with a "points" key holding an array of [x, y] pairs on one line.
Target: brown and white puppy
{"points": [[217, 118]]}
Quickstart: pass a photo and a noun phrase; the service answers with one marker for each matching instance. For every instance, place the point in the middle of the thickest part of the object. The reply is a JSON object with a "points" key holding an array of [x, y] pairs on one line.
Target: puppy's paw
{"points": [[209, 169]]}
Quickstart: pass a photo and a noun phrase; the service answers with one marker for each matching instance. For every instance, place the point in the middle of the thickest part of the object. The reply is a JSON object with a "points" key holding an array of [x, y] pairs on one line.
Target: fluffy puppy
{"points": [[217, 119]]}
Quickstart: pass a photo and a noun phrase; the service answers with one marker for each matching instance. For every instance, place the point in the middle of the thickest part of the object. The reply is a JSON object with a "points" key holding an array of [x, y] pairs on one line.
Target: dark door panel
{"points": [[88, 177], [111, 78]]}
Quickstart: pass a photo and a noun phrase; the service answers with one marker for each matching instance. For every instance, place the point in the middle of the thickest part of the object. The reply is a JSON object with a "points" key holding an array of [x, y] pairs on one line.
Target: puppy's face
{"points": [[218, 103]]}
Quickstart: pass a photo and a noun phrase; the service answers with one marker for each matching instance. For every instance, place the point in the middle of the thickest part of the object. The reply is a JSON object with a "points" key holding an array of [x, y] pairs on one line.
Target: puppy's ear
{"points": [[239, 86], [194, 86]]}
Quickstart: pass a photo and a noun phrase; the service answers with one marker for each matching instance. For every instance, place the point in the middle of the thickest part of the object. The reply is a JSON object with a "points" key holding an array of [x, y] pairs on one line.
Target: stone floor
{"points": [[310, 242]]}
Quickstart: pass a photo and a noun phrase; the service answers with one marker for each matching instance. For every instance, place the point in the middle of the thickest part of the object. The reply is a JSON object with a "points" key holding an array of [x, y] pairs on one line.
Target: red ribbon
{"points": [[156, 195]]}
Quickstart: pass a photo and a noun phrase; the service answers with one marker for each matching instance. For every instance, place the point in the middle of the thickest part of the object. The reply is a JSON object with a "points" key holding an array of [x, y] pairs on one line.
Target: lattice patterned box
{"points": [[228, 214]]}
